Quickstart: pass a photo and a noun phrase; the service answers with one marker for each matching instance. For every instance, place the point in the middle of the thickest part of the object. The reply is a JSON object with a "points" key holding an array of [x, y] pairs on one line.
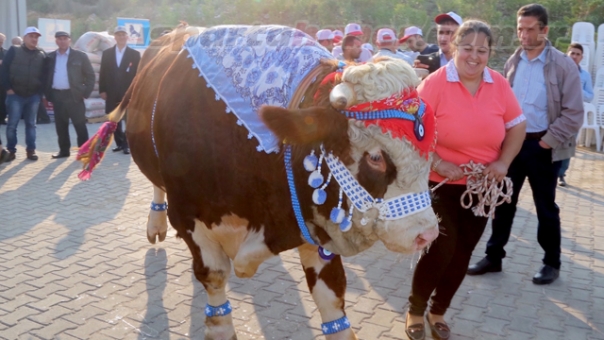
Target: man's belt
{"points": [[535, 135]]}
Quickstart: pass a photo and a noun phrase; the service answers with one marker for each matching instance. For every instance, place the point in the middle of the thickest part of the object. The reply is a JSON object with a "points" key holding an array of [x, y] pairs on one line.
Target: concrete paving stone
{"points": [[42, 293], [58, 326], [17, 315], [494, 326], [382, 317], [372, 331], [366, 305], [16, 291]]}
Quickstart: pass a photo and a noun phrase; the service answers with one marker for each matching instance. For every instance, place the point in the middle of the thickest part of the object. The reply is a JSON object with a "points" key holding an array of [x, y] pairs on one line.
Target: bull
{"points": [[341, 176]]}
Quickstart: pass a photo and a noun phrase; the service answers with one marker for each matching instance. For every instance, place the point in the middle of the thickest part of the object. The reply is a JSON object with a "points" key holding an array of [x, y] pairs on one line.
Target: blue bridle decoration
{"points": [[222, 310], [335, 326]]}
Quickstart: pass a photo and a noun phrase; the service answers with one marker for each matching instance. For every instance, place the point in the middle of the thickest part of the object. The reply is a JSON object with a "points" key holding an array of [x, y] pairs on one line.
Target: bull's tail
{"points": [[92, 152]]}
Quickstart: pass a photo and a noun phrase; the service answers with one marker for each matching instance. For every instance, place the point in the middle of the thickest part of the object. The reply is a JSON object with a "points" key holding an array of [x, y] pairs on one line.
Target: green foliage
{"points": [[500, 14]]}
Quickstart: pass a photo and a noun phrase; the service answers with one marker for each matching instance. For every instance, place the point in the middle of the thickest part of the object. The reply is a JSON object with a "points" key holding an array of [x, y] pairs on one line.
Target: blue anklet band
{"points": [[159, 207], [335, 326], [221, 310]]}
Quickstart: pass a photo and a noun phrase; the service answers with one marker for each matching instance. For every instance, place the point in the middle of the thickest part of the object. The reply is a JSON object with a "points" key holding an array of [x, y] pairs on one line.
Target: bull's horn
{"points": [[342, 96]]}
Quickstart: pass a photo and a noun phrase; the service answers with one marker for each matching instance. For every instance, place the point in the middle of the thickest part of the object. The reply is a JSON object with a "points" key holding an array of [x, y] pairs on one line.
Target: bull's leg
{"points": [[157, 223], [327, 283], [212, 268]]}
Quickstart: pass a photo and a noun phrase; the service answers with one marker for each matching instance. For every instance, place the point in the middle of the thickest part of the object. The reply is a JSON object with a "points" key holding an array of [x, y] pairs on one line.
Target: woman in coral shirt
{"points": [[478, 119]]}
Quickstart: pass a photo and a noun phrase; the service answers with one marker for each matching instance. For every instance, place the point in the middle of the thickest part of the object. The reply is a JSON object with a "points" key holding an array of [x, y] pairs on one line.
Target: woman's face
{"points": [[472, 55]]}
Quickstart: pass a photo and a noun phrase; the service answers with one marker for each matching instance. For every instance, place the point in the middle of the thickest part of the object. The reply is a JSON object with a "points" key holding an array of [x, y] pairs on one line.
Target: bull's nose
{"points": [[425, 238]]}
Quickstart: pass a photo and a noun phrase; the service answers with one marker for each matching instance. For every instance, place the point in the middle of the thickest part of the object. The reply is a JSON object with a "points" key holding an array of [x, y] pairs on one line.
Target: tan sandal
{"points": [[415, 332], [439, 330]]}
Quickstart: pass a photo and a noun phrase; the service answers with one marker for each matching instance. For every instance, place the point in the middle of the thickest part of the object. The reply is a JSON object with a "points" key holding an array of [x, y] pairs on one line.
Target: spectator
{"points": [[338, 36], [575, 52], [548, 88], [70, 80], [23, 78], [446, 26], [415, 41], [387, 44], [2, 90], [353, 29], [118, 69], [17, 41], [325, 38], [352, 49], [467, 91], [368, 47]]}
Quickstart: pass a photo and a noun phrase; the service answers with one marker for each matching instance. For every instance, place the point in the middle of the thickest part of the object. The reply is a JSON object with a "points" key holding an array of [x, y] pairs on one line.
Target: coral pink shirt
{"points": [[469, 127]]}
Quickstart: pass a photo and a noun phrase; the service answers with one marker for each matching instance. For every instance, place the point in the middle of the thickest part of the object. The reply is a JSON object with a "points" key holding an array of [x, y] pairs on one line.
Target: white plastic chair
{"points": [[599, 79], [586, 61], [590, 115], [583, 32]]}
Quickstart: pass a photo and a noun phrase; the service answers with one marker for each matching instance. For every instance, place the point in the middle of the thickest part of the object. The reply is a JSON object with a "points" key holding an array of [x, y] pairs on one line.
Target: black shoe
{"points": [[439, 330], [117, 149], [562, 182], [415, 332], [60, 155], [11, 156], [126, 151], [546, 275], [484, 266], [4, 155]]}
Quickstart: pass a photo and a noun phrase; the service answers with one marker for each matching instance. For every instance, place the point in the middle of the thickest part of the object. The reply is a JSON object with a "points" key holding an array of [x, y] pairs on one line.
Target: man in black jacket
{"points": [[118, 69], [23, 77], [70, 81]]}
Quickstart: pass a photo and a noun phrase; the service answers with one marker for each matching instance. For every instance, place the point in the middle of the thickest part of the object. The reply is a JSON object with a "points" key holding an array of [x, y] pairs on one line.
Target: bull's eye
{"points": [[376, 161]]}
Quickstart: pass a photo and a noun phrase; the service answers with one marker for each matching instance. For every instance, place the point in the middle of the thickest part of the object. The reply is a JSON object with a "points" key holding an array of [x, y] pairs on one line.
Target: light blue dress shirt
{"points": [[531, 93], [60, 81], [588, 91], [443, 58]]}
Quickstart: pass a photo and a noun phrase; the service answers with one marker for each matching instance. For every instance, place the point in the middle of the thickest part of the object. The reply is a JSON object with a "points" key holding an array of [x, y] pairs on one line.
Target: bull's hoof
{"points": [[162, 236], [152, 238]]}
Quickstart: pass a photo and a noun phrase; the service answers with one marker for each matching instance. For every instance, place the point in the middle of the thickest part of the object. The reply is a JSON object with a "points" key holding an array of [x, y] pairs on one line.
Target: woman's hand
{"points": [[449, 170], [496, 170]]}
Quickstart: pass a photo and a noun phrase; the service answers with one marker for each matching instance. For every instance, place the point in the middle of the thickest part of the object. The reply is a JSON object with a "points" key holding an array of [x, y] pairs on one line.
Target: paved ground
{"points": [[75, 264]]}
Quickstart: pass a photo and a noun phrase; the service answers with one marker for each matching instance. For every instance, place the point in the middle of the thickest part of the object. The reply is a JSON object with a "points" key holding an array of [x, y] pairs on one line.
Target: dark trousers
{"points": [[535, 163], [120, 136], [442, 268], [66, 108], [2, 105]]}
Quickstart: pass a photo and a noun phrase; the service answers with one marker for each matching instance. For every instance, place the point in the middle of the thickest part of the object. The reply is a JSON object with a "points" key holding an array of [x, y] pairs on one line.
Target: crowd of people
{"points": [[65, 77], [521, 124]]}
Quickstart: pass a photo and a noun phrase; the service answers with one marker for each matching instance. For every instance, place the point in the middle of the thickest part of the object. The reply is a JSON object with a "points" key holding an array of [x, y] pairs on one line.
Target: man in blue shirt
{"points": [[575, 52], [548, 88]]}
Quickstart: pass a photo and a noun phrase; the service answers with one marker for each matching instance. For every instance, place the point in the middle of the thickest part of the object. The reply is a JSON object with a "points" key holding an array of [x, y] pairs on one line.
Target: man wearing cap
{"points": [[22, 75], [446, 25], [415, 41], [325, 38], [387, 44], [118, 69], [338, 36], [70, 80], [354, 30]]}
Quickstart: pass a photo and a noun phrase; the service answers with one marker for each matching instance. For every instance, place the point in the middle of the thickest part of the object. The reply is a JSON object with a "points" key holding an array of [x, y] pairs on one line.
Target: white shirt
{"points": [[365, 54], [397, 55], [60, 81], [119, 55]]}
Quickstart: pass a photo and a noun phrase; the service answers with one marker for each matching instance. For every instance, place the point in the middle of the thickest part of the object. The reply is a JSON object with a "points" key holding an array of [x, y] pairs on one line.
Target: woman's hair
{"points": [[473, 26]]}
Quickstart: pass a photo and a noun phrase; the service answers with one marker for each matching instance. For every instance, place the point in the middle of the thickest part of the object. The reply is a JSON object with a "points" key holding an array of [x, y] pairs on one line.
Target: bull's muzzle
{"points": [[342, 96]]}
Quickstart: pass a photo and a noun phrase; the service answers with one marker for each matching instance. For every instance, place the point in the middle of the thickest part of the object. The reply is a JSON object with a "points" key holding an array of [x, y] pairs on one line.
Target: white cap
{"points": [[411, 31], [337, 35], [353, 29], [386, 35], [451, 15], [367, 46], [120, 29], [325, 34], [30, 30]]}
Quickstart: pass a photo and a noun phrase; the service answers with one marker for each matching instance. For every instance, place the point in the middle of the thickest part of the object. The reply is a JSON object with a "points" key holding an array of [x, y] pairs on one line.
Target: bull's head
{"points": [[383, 156]]}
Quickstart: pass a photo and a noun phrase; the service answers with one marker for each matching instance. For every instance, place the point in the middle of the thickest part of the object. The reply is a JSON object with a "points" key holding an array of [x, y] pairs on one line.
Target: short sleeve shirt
{"points": [[470, 127]]}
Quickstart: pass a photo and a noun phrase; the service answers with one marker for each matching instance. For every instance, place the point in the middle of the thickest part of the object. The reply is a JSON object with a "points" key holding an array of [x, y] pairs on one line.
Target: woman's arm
{"points": [[512, 143]]}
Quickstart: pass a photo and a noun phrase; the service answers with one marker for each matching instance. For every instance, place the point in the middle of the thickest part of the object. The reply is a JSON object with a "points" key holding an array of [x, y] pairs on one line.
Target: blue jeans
{"points": [[18, 107], [564, 164]]}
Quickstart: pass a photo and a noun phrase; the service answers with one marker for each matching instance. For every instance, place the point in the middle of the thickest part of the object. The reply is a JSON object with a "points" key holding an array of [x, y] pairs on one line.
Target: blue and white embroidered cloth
{"points": [[251, 66]]}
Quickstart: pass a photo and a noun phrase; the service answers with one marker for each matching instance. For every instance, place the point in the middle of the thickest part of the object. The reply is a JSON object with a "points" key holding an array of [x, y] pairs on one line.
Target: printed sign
{"points": [[138, 31], [48, 28]]}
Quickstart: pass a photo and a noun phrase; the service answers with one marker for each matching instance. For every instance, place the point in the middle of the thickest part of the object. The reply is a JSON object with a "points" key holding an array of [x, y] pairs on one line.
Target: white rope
{"points": [[490, 192]]}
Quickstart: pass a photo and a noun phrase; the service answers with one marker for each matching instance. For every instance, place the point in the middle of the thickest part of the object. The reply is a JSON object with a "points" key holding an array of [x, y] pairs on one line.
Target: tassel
{"points": [[92, 152]]}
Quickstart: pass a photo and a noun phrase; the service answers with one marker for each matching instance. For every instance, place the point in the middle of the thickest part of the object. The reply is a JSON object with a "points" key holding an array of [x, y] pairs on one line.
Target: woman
{"points": [[478, 119]]}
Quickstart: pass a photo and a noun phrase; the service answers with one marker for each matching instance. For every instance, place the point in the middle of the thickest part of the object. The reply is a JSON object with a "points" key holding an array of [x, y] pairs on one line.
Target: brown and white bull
{"points": [[233, 206]]}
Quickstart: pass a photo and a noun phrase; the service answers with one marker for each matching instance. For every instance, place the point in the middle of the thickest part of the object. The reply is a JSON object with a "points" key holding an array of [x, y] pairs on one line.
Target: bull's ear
{"points": [[305, 126]]}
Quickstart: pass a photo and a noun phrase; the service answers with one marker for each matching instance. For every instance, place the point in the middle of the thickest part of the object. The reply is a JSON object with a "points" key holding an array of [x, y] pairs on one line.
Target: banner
{"points": [[48, 28], [138, 31]]}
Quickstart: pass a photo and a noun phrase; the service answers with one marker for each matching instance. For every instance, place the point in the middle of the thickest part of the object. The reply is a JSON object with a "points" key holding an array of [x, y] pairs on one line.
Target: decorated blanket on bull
{"points": [[252, 66]]}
